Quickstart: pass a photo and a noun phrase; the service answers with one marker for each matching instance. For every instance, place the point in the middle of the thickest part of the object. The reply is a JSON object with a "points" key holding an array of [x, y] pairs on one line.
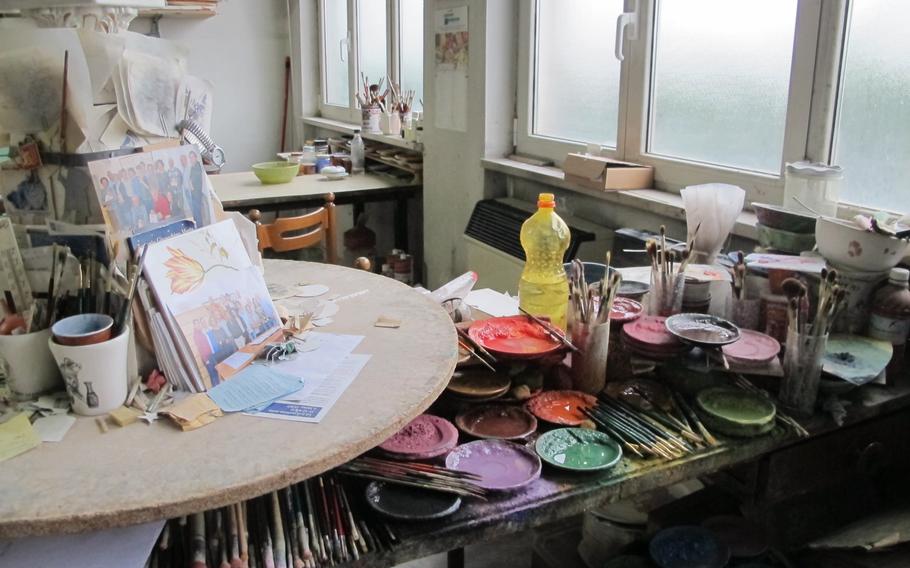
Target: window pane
{"points": [[411, 48], [576, 76], [873, 137], [335, 30], [372, 39], [720, 81]]}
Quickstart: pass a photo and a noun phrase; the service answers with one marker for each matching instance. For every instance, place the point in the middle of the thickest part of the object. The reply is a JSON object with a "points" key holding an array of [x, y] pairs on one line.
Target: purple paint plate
{"points": [[502, 466], [425, 437]]}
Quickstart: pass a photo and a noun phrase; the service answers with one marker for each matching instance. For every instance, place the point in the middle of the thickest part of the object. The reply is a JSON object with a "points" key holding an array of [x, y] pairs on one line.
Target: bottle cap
{"points": [[356, 131], [546, 200], [901, 275]]}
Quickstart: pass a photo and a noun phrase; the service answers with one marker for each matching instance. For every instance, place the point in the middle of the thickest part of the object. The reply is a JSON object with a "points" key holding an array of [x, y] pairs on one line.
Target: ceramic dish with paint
{"points": [[688, 547], [648, 336], [703, 329], [752, 349], [501, 465], [514, 336], [735, 412], [856, 359], [776, 217], [425, 437], [478, 382], [633, 289], [784, 241], [497, 421], [578, 449], [561, 407], [625, 310], [845, 244], [406, 503]]}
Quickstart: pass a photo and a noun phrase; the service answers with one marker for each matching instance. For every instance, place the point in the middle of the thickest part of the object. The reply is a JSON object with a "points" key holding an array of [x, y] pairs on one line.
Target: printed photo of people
{"points": [[147, 190]]}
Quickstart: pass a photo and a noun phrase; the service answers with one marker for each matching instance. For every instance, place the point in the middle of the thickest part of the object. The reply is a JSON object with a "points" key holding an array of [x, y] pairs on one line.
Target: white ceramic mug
{"points": [[30, 367], [95, 375]]}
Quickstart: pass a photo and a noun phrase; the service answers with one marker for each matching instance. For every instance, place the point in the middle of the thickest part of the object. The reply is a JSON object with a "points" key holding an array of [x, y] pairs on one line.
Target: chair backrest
{"points": [[310, 229]]}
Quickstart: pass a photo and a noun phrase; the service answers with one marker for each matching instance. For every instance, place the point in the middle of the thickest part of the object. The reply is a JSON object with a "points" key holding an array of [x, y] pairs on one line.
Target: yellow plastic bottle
{"points": [[544, 287]]}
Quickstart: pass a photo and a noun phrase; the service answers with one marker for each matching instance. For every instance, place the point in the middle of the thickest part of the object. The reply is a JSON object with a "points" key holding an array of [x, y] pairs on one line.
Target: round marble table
{"points": [[140, 473]]}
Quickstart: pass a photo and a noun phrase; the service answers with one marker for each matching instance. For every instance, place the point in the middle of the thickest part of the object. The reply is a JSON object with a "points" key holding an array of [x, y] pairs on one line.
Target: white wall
{"points": [[242, 51]]}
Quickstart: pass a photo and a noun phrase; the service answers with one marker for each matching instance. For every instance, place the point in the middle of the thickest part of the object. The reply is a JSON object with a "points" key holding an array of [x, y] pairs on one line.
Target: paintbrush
{"points": [[123, 314], [693, 418], [549, 330], [475, 355], [480, 348]]}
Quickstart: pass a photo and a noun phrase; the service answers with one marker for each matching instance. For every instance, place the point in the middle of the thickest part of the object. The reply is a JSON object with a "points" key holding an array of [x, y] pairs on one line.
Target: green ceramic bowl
{"points": [[785, 241], [276, 172], [735, 412], [777, 217], [578, 449]]}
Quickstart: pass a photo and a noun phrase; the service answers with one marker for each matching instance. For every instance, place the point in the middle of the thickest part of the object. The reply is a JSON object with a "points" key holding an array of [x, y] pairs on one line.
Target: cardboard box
{"points": [[596, 172]]}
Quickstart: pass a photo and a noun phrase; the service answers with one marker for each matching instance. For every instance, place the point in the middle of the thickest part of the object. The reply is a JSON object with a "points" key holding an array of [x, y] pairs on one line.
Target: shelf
{"points": [[348, 128], [206, 11]]}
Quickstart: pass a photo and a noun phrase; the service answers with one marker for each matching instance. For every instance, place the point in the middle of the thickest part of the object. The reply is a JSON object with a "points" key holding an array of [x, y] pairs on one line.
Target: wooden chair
{"points": [[310, 229]]}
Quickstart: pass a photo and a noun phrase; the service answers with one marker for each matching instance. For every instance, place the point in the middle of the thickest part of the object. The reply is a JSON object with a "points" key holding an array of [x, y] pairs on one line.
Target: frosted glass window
{"points": [[372, 40], [335, 66], [410, 47], [873, 136], [576, 79], [720, 81]]}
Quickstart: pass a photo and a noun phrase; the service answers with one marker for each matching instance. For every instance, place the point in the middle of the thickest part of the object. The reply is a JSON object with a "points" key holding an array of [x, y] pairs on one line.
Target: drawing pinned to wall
{"points": [[451, 78], [150, 86], [194, 101]]}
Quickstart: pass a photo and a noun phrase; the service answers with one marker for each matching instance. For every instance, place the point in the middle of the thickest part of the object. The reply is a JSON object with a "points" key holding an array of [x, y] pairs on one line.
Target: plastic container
{"points": [[357, 153], [813, 186], [890, 318], [544, 288]]}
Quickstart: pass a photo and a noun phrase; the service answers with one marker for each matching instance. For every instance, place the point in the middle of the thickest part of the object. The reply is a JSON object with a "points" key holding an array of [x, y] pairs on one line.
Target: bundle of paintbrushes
{"points": [[401, 102], [589, 326], [807, 341], [744, 312], [415, 474], [475, 349], [651, 433], [310, 524], [739, 276], [371, 94], [668, 278]]}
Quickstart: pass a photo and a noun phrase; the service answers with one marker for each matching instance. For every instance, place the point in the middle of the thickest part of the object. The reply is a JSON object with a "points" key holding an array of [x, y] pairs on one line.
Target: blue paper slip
{"points": [[254, 386]]}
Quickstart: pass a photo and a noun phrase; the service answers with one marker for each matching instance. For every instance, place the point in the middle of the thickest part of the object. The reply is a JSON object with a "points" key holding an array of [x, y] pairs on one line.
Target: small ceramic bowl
{"points": [[776, 217], [845, 244], [276, 172], [784, 241], [633, 289], [334, 172], [83, 329]]}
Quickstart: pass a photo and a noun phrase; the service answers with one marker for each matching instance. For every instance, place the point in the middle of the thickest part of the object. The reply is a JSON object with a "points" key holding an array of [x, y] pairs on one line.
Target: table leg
{"points": [[455, 558]]}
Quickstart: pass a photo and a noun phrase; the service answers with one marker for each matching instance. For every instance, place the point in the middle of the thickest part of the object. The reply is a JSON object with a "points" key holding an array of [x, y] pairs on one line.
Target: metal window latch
{"points": [[626, 19]]}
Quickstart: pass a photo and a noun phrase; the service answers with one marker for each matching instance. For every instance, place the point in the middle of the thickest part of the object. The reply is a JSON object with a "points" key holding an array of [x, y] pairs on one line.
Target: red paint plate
{"points": [[561, 407], [753, 348], [515, 336], [425, 437], [650, 332], [625, 310]]}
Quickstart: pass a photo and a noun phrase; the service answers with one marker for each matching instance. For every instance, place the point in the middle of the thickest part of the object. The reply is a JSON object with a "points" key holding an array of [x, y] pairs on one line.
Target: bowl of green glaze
{"points": [[735, 412], [276, 172], [784, 241], [578, 449]]}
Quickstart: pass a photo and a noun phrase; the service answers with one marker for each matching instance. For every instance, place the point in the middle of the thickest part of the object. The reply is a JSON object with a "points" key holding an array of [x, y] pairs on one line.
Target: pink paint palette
{"points": [[425, 437], [753, 349], [648, 336], [515, 336], [625, 310], [501, 465]]}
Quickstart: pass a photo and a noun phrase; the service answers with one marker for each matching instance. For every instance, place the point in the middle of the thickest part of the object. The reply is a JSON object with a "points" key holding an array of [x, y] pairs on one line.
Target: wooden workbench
{"points": [[141, 473]]}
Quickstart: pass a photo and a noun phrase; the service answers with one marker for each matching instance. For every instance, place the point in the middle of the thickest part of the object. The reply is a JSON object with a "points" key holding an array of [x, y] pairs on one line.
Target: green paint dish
{"points": [[578, 449], [735, 412]]}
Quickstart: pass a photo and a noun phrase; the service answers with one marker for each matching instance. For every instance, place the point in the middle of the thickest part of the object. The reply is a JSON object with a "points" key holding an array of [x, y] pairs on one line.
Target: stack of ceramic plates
{"points": [[752, 349], [648, 337], [425, 437], [478, 384], [735, 412]]}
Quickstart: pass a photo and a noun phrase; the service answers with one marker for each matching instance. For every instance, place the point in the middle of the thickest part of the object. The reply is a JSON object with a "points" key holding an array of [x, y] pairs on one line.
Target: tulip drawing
{"points": [[186, 273]]}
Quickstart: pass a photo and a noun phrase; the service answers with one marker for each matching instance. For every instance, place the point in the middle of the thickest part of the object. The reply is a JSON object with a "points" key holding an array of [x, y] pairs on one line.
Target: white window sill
{"points": [[662, 203], [348, 128]]}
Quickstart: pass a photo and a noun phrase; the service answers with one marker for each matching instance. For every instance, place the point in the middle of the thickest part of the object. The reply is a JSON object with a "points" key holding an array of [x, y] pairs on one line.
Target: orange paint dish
{"points": [[514, 336], [561, 407]]}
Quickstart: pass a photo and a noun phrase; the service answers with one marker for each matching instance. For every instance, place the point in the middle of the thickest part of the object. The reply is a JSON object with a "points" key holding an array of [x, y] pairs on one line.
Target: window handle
{"points": [[343, 47], [622, 21]]}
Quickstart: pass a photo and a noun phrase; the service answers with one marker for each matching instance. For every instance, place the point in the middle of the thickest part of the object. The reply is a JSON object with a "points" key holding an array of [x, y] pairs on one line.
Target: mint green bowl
{"points": [[276, 172]]}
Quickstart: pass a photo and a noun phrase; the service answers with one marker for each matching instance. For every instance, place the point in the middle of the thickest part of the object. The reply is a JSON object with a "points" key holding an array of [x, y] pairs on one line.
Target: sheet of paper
{"points": [[53, 428], [316, 398], [492, 302], [126, 547], [320, 362], [238, 359], [253, 386], [17, 436], [808, 264]]}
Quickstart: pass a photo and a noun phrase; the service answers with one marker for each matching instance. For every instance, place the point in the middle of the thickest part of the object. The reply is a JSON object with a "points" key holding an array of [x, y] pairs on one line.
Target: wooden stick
{"points": [[550, 331]]}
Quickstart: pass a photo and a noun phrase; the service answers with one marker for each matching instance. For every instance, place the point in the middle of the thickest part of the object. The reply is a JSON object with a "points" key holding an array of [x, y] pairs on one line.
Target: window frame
{"points": [[351, 113], [811, 101]]}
